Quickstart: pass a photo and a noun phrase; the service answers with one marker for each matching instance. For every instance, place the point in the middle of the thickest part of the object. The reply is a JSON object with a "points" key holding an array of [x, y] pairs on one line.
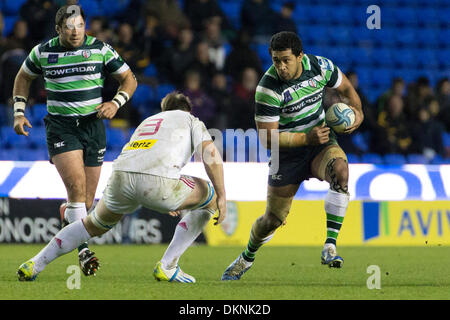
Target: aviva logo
{"points": [[406, 222]]}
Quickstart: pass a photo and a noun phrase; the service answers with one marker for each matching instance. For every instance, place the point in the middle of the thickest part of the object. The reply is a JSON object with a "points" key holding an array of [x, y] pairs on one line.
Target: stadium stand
{"points": [[414, 41]]}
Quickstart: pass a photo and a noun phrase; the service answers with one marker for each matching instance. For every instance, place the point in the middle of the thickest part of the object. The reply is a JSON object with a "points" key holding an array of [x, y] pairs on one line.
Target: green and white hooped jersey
{"points": [[296, 104], [73, 78]]}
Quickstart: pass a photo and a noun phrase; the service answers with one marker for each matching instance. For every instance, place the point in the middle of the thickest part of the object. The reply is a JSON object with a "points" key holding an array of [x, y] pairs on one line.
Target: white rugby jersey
{"points": [[162, 144]]}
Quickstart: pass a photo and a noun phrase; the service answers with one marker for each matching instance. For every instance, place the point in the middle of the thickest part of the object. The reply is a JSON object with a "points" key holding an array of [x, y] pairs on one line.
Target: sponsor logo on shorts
{"points": [[276, 177], [59, 144], [140, 144]]}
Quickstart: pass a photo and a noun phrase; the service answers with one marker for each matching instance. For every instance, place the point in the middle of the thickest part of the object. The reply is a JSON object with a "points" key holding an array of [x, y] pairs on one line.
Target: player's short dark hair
{"points": [[285, 40], [176, 101], [64, 12]]}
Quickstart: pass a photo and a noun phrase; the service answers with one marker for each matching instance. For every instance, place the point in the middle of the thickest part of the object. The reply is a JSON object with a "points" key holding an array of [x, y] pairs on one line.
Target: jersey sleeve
{"points": [[331, 72], [267, 100], [32, 64], [199, 133], [112, 61]]}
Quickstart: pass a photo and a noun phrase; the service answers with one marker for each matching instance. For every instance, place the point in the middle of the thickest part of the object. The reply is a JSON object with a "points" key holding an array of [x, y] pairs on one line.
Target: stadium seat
{"points": [[142, 95], [92, 8], [341, 35], [9, 155], [416, 158], [372, 158], [12, 140], [37, 114], [116, 138], [440, 160], [394, 159], [112, 153], [32, 154], [37, 137], [12, 7], [151, 70], [353, 158], [162, 90], [405, 36], [9, 22]]}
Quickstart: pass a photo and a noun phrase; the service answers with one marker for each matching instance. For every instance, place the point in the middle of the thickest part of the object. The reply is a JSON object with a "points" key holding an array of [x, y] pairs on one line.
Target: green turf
{"points": [[280, 273]]}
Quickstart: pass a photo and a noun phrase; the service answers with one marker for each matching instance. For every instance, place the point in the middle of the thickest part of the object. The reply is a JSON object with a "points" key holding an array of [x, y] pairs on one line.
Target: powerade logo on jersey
{"points": [[52, 58], [303, 103], [287, 96], [60, 72], [312, 83]]}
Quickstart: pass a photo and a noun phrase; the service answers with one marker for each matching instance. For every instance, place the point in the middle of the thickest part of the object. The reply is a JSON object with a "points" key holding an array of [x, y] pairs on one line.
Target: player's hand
{"points": [[19, 123], [318, 135], [106, 110], [175, 213], [358, 120], [222, 208]]}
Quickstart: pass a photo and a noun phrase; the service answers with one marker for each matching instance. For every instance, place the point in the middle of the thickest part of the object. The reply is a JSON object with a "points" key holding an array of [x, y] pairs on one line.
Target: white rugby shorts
{"points": [[128, 191]]}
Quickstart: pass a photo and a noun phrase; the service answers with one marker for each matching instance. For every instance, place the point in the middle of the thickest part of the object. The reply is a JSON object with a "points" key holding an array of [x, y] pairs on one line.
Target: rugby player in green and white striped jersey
{"points": [[73, 66], [289, 113]]}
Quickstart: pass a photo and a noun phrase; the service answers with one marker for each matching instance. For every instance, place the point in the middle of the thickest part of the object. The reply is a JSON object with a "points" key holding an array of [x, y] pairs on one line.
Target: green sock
{"points": [[82, 247], [334, 224]]}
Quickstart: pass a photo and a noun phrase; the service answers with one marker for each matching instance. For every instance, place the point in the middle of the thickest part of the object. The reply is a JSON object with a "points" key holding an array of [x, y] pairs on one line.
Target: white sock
{"points": [[187, 230], [63, 242], [75, 211]]}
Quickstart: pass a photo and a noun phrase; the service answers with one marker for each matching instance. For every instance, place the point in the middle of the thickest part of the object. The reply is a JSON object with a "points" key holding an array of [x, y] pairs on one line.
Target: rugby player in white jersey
{"points": [[147, 173]]}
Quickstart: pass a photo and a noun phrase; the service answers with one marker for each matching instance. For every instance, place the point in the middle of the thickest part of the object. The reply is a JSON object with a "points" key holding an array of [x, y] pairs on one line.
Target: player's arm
{"points": [[351, 97], [127, 87], [21, 90], [213, 164], [269, 135]]}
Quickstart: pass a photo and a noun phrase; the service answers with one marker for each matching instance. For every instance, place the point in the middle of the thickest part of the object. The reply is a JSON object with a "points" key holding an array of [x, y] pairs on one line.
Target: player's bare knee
{"points": [[337, 173], [270, 221]]}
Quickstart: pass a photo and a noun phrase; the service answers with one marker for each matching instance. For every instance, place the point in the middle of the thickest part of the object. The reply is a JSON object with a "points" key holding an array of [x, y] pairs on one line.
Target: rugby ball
{"points": [[339, 117]]}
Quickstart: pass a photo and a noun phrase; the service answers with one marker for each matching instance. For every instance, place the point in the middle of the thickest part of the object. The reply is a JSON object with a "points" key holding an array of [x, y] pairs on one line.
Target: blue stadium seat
{"points": [[150, 70], [372, 158], [143, 94], [383, 57], [381, 77], [353, 158], [404, 57], [112, 153], [361, 140], [37, 114], [341, 35], [116, 138], [9, 155], [92, 8], [427, 37], [440, 160], [12, 140], [38, 137], [9, 22], [446, 139], [428, 17], [163, 89], [341, 14], [405, 36], [428, 59], [12, 7], [405, 16], [416, 158], [361, 56], [394, 159], [32, 154]]}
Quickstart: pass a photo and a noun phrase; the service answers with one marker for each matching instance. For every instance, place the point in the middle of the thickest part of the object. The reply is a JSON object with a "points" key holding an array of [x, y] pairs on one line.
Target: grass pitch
{"points": [[279, 273]]}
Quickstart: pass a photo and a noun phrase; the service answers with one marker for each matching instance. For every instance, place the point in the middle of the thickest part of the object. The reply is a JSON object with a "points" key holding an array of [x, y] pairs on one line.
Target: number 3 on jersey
{"points": [[151, 127]]}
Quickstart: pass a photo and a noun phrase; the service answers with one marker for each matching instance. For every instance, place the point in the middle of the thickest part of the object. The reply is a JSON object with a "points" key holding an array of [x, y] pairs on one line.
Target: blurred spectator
{"points": [[397, 88], [428, 132], [19, 39], [151, 40], [176, 59], [216, 43], [393, 134], [203, 106], [284, 21], [241, 57], [127, 48], [225, 101], [203, 65], [171, 17], [198, 11], [99, 28], [370, 115], [443, 97], [40, 16], [417, 95], [258, 18], [244, 91]]}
